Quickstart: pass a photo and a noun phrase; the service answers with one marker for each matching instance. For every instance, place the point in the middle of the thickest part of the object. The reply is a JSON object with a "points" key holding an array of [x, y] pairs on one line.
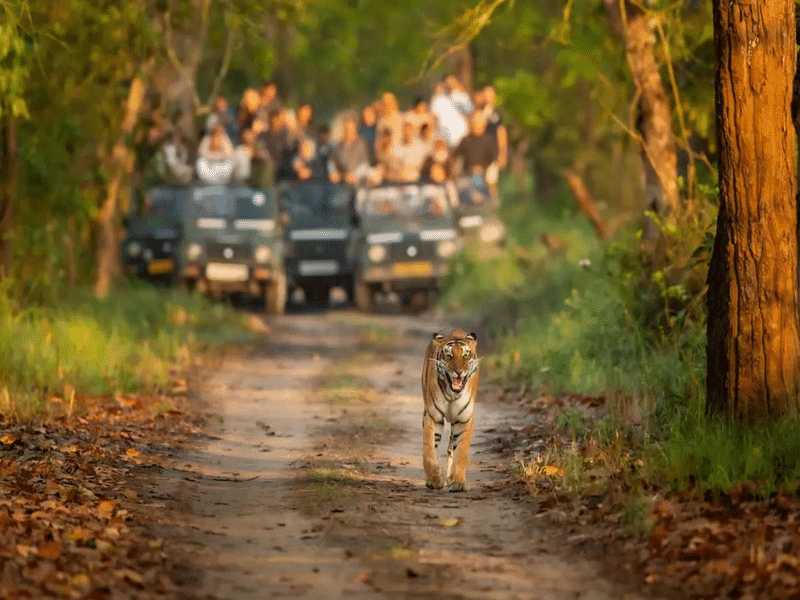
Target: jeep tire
{"points": [[317, 295]]}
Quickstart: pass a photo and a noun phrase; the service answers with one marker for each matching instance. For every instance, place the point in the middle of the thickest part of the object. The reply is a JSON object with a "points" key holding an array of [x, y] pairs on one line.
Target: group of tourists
{"points": [[260, 141]]}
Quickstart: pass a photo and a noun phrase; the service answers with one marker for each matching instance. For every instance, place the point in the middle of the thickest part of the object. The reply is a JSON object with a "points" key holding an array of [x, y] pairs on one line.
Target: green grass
{"points": [[133, 340], [713, 455], [344, 388], [324, 485]]}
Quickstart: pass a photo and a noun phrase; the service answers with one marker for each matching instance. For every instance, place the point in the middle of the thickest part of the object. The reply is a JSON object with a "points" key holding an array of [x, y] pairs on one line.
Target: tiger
{"points": [[449, 387]]}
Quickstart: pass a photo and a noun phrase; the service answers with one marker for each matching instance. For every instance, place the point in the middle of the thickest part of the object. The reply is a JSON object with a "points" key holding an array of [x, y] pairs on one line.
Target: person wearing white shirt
{"points": [[450, 122]]}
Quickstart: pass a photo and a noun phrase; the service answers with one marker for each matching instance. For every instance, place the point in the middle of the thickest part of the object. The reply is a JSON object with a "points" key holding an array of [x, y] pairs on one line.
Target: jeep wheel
{"points": [[420, 301], [275, 294], [362, 296], [317, 295]]}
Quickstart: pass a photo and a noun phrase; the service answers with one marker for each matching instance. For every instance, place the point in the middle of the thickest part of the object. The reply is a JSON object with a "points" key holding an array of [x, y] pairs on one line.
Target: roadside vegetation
{"points": [[56, 356], [623, 320], [604, 342]]}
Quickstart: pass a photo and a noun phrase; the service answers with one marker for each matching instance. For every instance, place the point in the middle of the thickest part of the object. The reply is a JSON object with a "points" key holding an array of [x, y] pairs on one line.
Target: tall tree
{"points": [[753, 333], [655, 115]]}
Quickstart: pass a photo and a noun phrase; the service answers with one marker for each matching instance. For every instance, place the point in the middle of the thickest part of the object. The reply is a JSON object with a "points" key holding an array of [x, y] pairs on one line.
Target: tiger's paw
{"points": [[436, 484], [461, 486]]}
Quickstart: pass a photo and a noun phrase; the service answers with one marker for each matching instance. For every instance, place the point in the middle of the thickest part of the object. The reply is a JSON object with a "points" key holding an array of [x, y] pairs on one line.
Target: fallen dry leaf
{"points": [[552, 471], [9, 439], [452, 522], [129, 575], [51, 549]]}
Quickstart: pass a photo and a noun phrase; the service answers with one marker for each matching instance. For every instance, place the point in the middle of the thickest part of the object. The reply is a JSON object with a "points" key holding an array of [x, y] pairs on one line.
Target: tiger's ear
{"points": [[472, 336], [438, 336]]}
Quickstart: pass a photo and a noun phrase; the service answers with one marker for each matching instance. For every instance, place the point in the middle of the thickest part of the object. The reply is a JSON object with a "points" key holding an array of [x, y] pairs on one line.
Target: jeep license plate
{"points": [[318, 267], [226, 272], [160, 266], [420, 268]]}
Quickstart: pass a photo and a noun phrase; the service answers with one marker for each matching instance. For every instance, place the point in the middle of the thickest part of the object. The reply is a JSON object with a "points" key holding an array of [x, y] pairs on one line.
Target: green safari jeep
{"points": [[232, 243], [409, 234], [320, 237], [152, 234]]}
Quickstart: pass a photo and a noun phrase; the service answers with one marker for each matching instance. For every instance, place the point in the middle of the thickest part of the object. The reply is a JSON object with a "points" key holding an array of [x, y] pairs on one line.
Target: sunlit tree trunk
{"points": [[753, 333], [120, 162], [184, 44], [465, 66], [8, 185], [655, 114]]}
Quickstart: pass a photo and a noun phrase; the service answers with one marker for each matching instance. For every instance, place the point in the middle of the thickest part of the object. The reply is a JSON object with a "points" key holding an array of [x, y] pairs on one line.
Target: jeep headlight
{"points": [[262, 254], [133, 249], [194, 251], [376, 253], [446, 248], [491, 233]]}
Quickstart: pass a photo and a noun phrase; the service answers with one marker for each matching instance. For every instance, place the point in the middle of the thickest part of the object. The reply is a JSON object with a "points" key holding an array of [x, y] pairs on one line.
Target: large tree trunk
{"points": [[121, 162], [753, 333], [655, 115], [10, 164], [176, 77]]}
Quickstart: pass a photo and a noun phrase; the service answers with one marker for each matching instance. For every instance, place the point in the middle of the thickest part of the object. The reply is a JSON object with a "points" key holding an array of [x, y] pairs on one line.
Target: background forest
{"points": [[66, 79]]}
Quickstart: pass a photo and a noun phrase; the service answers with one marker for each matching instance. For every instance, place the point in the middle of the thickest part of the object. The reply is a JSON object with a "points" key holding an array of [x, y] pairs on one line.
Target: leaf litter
{"points": [[68, 523], [681, 545]]}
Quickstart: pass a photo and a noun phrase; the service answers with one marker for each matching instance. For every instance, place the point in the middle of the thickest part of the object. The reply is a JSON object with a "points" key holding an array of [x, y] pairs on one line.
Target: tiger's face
{"points": [[456, 360]]}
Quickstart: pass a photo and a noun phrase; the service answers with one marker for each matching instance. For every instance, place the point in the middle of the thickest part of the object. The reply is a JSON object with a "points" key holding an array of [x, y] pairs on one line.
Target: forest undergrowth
{"points": [[604, 342], [55, 356]]}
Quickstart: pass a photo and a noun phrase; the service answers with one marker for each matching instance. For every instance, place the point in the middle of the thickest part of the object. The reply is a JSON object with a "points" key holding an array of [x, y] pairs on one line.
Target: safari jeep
{"points": [[232, 243], [320, 237], [152, 234], [478, 221], [409, 234]]}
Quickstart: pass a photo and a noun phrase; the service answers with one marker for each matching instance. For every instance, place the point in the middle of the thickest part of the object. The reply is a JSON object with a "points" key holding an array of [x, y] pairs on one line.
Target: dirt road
{"points": [[310, 485]]}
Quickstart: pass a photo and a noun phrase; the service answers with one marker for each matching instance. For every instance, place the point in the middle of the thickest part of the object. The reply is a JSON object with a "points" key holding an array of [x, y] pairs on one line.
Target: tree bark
{"points": [[10, 163], [465, 66], [655, 114], [586, 202], [176, 77], [121, 164], [753, 356]]}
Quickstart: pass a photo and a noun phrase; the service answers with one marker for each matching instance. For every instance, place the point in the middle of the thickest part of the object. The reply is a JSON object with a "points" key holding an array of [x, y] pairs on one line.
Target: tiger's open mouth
{"points": [[456, 382]]}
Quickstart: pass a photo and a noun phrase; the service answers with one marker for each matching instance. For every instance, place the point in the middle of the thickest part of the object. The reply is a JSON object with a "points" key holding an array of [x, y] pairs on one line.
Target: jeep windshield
{"points": [[406, 201], [159, 214], [253, 210], [163, 202], [211, 202], [318, 204]]}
